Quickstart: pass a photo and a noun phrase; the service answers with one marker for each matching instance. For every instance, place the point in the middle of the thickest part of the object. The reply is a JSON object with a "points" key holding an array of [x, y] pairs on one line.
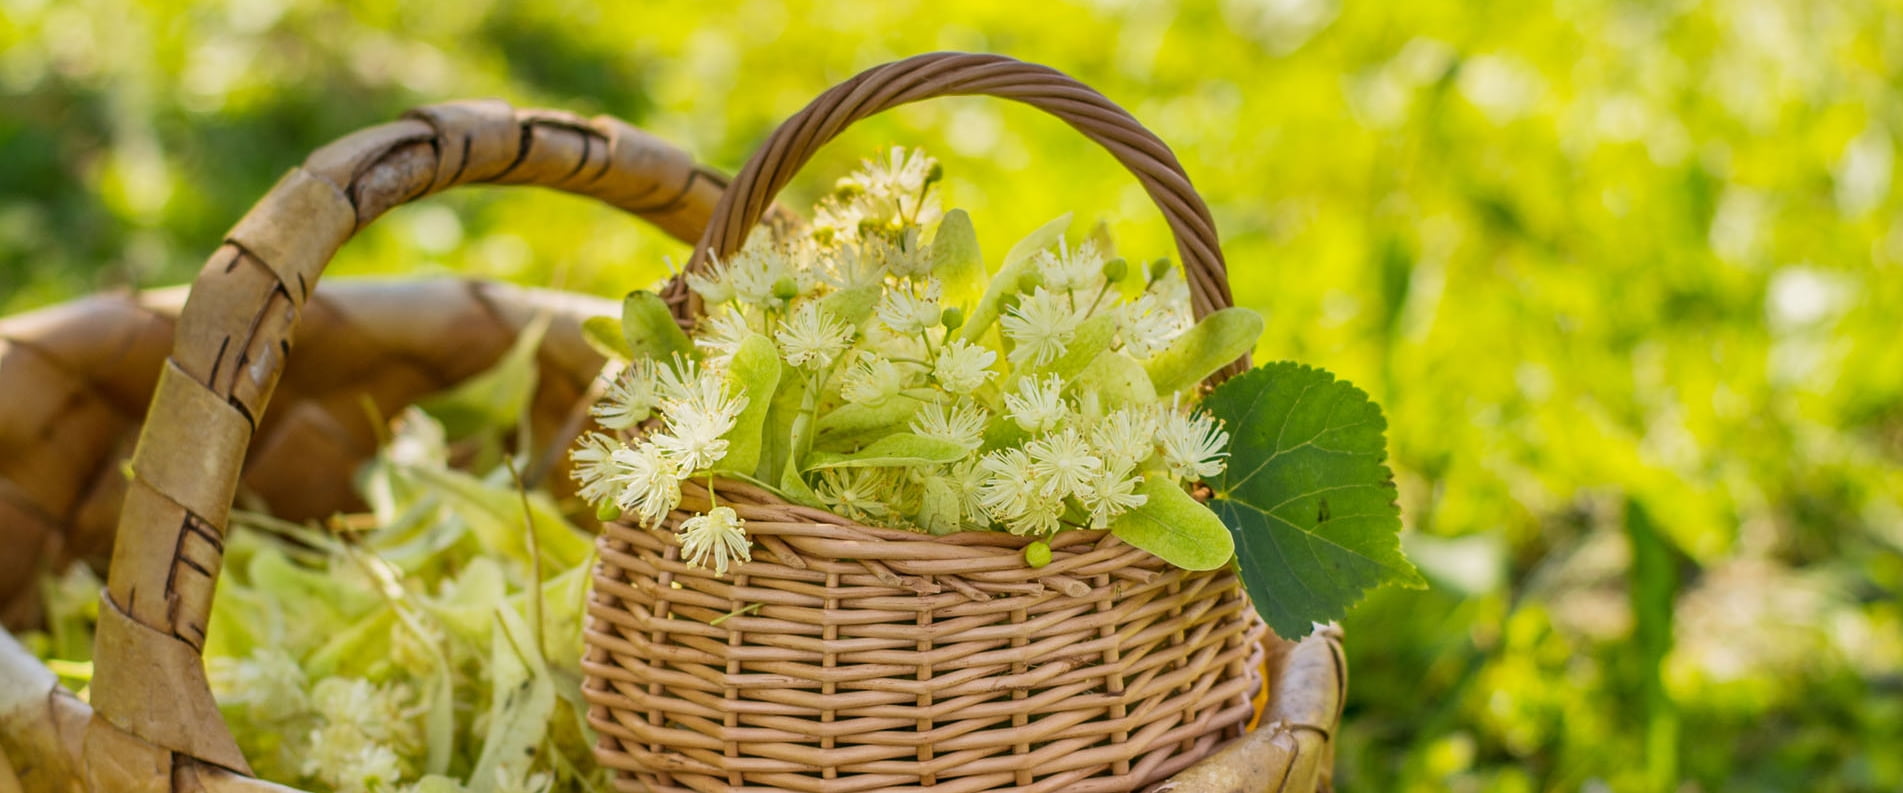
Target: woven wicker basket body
{"points": [[72, 380], [851, 658]]}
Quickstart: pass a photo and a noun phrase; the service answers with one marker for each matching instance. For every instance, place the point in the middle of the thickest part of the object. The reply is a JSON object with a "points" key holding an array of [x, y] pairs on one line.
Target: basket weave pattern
{"points": [[895, 659], [852, 658]]}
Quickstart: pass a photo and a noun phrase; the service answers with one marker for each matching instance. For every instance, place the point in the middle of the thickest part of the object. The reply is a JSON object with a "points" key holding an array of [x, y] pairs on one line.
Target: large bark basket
{"points": [[73, 378], [847, 657]]}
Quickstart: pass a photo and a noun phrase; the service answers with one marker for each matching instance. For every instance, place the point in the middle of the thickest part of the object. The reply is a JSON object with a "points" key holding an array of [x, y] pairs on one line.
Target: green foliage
{"points": [[649, 331], [1213, 343], [1584, 254], [1307, 494]]}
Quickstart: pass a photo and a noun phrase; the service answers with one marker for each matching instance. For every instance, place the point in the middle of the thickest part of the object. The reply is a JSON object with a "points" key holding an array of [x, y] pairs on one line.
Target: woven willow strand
{"points": [[849, 658]]}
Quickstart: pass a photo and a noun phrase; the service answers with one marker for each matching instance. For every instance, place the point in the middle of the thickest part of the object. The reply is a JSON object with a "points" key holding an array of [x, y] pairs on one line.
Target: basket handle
{"points": [[149, 688], [959, 74]]}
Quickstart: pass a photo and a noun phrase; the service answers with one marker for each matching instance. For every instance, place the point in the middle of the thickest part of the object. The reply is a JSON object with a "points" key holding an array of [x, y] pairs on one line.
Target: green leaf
{"points": [[1175, 527], [754, 372], [649, 329], [496, 397], [956, 260], [1307, 494], [494, 514], [1118, 380], [900, 448], [1016, 262], [1220, 338], [604, 334]]}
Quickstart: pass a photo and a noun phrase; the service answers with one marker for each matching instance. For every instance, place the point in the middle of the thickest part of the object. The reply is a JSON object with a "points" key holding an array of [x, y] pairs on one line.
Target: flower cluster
{"points": [[908, 384]]}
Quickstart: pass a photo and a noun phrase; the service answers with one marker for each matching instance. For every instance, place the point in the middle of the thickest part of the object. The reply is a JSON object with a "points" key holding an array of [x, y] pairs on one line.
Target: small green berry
{"points": [[1115, 269], [607, 510], [1037, 554], [1159, 268], [786, 288], [936, 173], [952, 318]]}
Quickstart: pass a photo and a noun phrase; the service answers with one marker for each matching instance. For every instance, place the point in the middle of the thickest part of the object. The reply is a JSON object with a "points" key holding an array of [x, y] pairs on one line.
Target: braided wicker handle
{"points": [[156, 714], [958, 74]]}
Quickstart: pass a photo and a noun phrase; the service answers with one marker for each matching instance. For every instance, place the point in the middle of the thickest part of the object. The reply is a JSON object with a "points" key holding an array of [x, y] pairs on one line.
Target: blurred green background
{"points": [[1624, 275]]}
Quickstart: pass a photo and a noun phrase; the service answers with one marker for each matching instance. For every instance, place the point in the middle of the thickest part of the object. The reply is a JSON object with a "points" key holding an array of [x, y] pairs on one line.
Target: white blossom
{"points": [[909, 314], [1125, 437], [629, 399], [719, 536], [1072, 269], [1063, 463], [1147, 327], [1040, 326], [812, 337], [1009, 486], [963, 425], [871, 380], [720, 335], [653, 486], [1111, 492], [854, 492], [1038, 404], [1193, 444], [962, 367]]}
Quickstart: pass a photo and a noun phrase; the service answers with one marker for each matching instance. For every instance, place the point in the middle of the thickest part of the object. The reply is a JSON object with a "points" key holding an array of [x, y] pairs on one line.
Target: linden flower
{"points": [[720, 335], [269, 684], [653, 483], [695, 425], [1008, 485], [812, 338], [1071, 269], [750, 275], [718, 536], [598, 474], [962, 367], [853, 492], [963, 425], [1193, 445], [1040, 326], [1112, 492], [630, 399], [907, 314], [1147, 327], [871, 381], [1063, 462], [1038, 405], [1125, 437], [347, 762]]}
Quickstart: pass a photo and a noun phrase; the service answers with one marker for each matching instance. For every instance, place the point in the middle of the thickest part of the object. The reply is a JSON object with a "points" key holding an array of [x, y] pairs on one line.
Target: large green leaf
{"points": [[1307, 494], [1175, 527], [496, 397]]}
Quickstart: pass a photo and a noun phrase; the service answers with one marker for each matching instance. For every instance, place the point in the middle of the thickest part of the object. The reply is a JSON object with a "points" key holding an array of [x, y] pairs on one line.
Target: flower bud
{"points": [[1037, 554], [935, 174], [952, 318], [607, 511], [1159, 268], [786, 288], [1115, 269]]}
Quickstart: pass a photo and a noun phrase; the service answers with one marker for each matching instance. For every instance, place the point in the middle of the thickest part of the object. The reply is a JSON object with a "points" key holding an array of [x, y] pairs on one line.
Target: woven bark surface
{"points": [[75, 381]]}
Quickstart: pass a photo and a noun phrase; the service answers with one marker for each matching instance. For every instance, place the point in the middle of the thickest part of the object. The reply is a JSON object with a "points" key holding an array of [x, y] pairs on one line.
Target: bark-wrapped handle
{"points": [[957, 74], [155, 711]]}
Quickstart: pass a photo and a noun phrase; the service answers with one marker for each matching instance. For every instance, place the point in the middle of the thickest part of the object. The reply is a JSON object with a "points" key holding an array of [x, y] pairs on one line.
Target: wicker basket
{"points": [[73, 380], [852, 658]]}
